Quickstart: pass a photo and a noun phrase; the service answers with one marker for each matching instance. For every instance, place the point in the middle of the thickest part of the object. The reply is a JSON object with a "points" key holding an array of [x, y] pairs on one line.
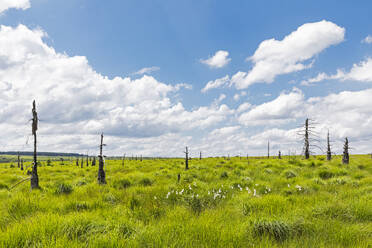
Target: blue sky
{"points": [[119, 38]]}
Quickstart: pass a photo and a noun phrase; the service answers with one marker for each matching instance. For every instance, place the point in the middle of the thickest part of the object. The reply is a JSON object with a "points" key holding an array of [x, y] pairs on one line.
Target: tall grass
{"points": [[217, 203]]}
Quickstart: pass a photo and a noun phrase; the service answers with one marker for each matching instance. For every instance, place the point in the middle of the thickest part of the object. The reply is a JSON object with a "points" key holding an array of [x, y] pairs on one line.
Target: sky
{"points": [[221, 77]]}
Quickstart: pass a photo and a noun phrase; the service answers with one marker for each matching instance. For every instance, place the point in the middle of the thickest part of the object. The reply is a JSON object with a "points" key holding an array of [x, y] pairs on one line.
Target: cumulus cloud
{"points": [[276, 57], [16, 4], [367, 40], [281, 110], [218, 83], [347, 113], [73, 99], [361, 72], [147, 70], [218, 60]]}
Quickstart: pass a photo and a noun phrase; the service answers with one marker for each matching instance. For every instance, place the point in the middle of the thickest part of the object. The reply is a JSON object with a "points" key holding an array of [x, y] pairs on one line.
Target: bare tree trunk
{"points": [[280, 155], [34, 176], [82, 162], [22, 164], [101, 171], [307, 144], [200, 156], [329, 154], [94, 161], [77, 161], [87, 160], [268, 149], [187, 158], [19, 162], [345, 158]]}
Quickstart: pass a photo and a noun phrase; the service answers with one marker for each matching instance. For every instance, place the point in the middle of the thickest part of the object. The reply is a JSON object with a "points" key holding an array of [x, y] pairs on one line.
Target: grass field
{"points": [[217, 203]]}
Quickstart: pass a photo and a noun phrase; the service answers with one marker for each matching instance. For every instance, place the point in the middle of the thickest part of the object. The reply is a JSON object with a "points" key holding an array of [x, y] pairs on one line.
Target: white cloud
{"points": [[218, 60], [281, 110], [74, 100], [147, 70], [367, 40], [274, 57], [361, 72], [16, 4], [218, 83]]}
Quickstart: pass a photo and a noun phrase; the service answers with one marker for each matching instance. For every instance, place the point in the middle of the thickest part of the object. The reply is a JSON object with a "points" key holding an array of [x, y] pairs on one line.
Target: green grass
{"points": [[217, 203]]}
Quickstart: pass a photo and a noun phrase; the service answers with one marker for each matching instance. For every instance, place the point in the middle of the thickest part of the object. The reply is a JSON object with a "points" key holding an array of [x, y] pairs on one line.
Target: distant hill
{"points": [[51, 154]]}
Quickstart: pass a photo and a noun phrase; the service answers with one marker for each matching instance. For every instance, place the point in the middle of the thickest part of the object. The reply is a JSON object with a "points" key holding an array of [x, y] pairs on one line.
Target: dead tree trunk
{"points": [[82, 162], [307, 144], [101, 171], [329, 154], [187, 158], [268, 149], [87, 164], [19, 162], [22, 164], [34, 176], [279, 155], [77, 162], [345, 158], [200, 156], [94, 161]]}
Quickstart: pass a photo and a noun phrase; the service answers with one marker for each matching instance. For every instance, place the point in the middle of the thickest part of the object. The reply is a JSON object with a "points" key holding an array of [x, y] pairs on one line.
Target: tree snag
{"points": [[101, 171], [307, 144], [345, 158], [34, 176], [187, 158], [329, 154], [279, 155]]}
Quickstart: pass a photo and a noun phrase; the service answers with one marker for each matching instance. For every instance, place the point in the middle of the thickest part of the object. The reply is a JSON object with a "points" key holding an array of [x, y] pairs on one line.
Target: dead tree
{"points": [[200, 156], [187, 158], [87, 163], [82, 162], [345, 158], [19, 162], [141, 158], [279, 155], [268, 149], [77, 162], [307, 144], [309, 136], [329, 154], [34, 176], [22, 164], [101, 171], [94, 161]]}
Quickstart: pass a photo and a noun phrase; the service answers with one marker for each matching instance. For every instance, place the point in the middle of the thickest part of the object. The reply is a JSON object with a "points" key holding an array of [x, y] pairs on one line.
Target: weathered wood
{"points": [[187, 158], [345, 158], [101, 171], [329, 154], [34, 176]]}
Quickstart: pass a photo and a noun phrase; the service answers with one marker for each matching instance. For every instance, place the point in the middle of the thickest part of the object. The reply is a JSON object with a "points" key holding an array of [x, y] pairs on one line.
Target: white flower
{"points": [[209, 193], [155, 197], [254, 192], [288, 185]]}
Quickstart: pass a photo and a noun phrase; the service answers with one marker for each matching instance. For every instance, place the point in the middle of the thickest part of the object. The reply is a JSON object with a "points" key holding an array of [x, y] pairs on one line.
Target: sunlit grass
{"points": [[217, 203]]}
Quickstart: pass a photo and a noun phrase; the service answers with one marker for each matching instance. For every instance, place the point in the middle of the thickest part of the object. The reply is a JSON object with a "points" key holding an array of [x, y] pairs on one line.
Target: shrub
{"points": [[146, 181], [195, 205], [326, 174], [63, 188], [3, 186], [279, 230], [224, 175], [122, 184], [125, 230], [289, 174]]}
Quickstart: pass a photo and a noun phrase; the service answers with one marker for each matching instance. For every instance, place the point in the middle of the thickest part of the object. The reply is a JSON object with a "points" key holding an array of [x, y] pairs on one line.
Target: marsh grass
{"points": [[217, 203]]}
